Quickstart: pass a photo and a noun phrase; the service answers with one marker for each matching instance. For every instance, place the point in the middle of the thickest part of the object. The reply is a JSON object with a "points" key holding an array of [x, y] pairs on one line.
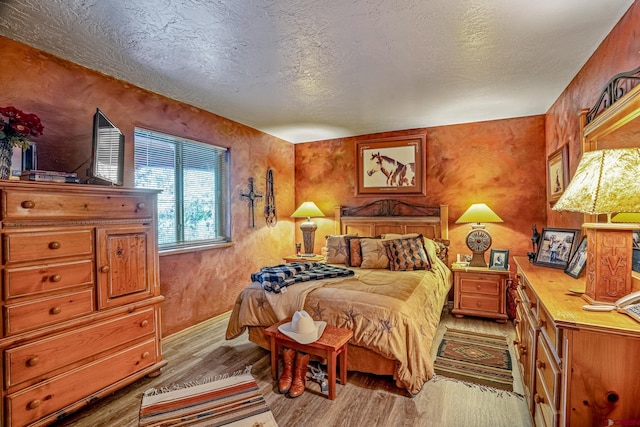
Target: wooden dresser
{"points": [[579, 368], [80, 296]]}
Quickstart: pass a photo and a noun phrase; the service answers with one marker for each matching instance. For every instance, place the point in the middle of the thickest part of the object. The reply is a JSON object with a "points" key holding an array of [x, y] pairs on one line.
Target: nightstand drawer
{"points": [[479, 303], [479, 284]]}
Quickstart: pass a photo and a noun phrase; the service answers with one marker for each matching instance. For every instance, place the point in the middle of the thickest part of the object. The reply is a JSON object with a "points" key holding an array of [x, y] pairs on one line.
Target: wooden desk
{"points": [[332, 343]]}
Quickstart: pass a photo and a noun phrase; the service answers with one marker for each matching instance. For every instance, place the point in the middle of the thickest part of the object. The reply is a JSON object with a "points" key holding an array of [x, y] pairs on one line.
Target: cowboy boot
{"points": [[288, 356], [299, 375]]}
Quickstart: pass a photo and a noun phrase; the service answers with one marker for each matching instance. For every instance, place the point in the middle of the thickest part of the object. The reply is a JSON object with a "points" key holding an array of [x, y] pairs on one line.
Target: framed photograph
{"points": [[391, 166], [499, 259], [578, 260], [636, 238], [556, 247], [557, 173], [635, 263]]}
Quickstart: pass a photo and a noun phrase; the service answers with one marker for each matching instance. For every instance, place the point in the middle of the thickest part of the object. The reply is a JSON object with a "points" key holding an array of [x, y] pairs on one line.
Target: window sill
{"points": [[194, 248]]}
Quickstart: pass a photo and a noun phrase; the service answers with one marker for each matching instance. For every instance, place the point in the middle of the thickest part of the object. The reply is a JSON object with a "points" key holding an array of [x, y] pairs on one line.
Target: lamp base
{"points": [[477, 260], [308, 236]]}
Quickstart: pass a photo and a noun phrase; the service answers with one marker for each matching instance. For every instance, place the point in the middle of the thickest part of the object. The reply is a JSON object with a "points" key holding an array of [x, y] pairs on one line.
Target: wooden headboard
{"points": [[393, 216]]}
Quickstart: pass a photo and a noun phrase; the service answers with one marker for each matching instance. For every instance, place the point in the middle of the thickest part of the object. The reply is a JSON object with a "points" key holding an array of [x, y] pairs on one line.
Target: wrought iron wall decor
{"points": [[253, 196], [270, 201], [615, 89]]}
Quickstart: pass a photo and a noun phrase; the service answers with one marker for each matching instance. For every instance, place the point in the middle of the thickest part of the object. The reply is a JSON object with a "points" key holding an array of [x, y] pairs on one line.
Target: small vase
{"points": [[6, 151]]}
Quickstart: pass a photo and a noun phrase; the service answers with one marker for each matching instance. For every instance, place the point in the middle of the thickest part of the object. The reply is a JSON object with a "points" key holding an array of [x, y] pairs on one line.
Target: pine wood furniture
{"points": [[296, 258], [579, 368], [80, 296], [332, 346], [479, 291]]}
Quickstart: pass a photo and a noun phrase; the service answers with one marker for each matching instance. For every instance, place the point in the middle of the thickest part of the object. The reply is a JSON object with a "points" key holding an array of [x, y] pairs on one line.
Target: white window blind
{"points": [[193, 207]]}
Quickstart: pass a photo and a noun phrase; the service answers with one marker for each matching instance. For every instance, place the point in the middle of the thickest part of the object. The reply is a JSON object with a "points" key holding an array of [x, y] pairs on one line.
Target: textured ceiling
{"points": [[308, 70]]}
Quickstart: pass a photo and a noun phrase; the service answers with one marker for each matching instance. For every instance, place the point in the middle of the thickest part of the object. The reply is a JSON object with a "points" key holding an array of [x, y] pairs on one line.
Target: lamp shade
{"points": [[307, 210], [605, 182], [478, 212]]}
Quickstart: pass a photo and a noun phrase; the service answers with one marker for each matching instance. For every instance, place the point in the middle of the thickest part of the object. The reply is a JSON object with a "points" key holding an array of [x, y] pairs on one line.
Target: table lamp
{"points": [[606, 182], [308, 210], [478, 239]]}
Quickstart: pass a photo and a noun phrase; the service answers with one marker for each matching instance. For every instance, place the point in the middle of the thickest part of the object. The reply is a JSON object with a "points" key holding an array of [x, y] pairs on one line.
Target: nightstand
{"points": [[296, 258], [479, 291]]}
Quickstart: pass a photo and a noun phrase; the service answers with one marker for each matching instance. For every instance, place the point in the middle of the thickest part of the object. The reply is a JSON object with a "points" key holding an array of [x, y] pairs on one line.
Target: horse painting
{"points": [[397, 173]]}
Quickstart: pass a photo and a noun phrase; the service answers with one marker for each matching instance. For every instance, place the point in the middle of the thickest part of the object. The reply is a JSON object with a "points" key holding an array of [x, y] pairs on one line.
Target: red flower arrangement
{"points": [[16, 127]]}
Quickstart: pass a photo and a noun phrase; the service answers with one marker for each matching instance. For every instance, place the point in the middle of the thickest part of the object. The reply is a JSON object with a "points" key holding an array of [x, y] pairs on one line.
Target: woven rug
{"points": [[475, 357], [228, 400]]}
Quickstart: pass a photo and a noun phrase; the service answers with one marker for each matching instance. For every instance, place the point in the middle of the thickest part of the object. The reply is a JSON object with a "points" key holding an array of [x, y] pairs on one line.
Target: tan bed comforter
{"points": [[391, 313]]}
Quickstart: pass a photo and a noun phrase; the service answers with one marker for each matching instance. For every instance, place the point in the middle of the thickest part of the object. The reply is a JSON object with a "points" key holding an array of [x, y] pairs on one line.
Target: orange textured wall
{"points": [[619, 52], [500, 163], [196, 285]]}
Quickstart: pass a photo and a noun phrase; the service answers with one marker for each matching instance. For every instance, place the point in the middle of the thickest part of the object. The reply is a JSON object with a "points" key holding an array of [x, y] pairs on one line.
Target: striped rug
{"points": [[229, 401], [476, 358]]}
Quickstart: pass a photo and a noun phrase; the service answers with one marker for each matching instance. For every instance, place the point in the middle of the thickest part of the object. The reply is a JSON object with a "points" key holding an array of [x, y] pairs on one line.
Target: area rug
{"points": [[227, 400], [476, 358]]}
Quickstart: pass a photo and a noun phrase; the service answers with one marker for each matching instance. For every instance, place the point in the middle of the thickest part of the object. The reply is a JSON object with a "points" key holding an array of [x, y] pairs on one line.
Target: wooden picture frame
{"points": [[499, 259], [556, 247], [557, 173], [391, 166], [578, 261]]}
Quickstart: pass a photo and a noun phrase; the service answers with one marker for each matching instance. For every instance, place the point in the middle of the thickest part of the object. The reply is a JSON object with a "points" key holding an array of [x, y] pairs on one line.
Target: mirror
{"points": [[107, 160]]}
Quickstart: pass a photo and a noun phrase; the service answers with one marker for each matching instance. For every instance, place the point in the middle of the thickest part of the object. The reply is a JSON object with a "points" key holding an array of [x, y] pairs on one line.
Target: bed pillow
{"points": [[354, 251], [407, 254], [437, 248], [336, 249], [374, 253]]}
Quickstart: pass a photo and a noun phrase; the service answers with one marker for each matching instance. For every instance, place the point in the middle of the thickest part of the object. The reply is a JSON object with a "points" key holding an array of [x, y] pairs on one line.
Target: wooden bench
{"points": [[331, 346]]}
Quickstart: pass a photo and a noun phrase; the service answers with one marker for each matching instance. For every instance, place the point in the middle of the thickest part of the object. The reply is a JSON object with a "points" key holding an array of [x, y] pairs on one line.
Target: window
{"points": [[193, 207]]}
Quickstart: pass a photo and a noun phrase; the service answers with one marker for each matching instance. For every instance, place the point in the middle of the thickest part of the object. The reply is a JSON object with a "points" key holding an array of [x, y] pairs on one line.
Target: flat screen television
{"points": [[107, 158]]}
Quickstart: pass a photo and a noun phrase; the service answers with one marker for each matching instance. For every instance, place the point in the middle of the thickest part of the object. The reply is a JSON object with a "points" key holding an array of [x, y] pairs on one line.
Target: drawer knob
{"points": [[478, 304], [28, 204], [478, 286], [146, 355], [56, 278], [523, 350], [532, 304], [33, 404], [104, 269], [540, 364], [542, 323], [538, 399], [516, 342], [56, 310], [516, 321], [33, 361], [144, 323], [54, 245], [141, 205]]}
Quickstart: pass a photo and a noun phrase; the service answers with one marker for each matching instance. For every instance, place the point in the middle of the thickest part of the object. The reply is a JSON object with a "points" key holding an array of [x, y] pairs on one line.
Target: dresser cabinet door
{"points": [[126, 265]]}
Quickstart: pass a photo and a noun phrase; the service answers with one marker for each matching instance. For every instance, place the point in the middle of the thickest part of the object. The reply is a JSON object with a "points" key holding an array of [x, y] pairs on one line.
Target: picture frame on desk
{"points": [[636, 239], [578, 261], [556, 247], [499, 259]]}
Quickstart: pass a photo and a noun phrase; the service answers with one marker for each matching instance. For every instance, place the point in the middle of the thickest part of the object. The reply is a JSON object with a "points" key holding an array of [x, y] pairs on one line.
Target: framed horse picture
{"points": [[391, 166]]}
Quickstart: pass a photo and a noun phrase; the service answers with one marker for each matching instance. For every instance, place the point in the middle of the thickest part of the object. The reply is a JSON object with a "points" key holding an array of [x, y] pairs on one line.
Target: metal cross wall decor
{"points": [[253, 197]]}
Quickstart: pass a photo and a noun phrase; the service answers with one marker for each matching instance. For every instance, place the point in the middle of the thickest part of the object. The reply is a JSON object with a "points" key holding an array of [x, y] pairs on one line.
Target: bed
{"points": [[394, 314]]}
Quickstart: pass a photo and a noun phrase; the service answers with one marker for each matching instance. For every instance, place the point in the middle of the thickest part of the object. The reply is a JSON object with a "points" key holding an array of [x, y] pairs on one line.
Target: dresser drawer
{"points": [[42, 205], [26, 281], [42, 399], [548, 372], [474, 302], [479, 284], [40, 245], [551, 331], [32, 360], [25, 316]]}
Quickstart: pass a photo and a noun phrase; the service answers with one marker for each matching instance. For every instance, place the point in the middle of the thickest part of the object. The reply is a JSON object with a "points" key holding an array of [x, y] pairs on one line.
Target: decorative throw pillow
{"points": [[407, 254], [374, 253], [336, 249], [354, 251]]}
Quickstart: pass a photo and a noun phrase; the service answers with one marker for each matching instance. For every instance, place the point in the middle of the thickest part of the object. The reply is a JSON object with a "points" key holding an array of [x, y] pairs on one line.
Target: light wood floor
{"points": [[366, 400]]}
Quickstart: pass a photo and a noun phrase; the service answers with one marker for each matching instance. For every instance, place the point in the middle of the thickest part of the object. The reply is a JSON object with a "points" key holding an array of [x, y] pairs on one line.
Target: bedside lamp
{"points": [[308, 210], [478, 239], [606, 182]]}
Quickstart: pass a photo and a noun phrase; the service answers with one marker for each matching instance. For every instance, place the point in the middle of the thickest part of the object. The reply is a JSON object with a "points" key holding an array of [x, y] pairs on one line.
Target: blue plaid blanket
{"points": [[276, 278]]}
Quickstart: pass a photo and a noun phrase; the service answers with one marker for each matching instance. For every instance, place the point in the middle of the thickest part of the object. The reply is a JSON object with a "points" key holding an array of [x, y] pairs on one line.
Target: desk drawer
{"points": [[42, 399], [29, 361], [26, 281], [25, 316], [40, 245], [43, 205]]}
